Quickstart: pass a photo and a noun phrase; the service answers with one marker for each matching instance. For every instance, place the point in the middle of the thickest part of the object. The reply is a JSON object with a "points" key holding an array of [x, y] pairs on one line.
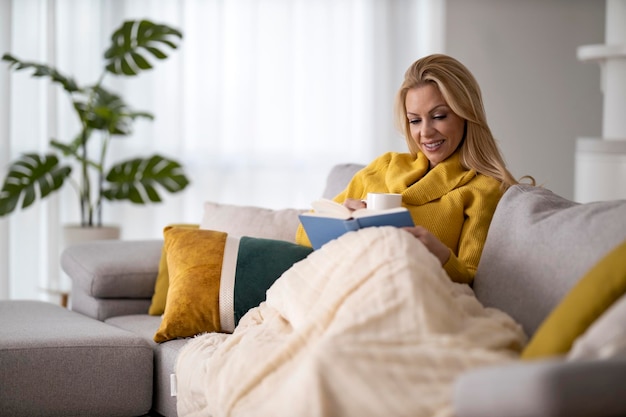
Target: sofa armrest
{"points": [[112, 277], [554, 388], [113, 268]]}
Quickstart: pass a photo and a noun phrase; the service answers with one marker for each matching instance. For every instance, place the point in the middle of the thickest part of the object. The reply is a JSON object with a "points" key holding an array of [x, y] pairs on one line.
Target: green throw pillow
{"points": [[259, 263], [596, 291]]}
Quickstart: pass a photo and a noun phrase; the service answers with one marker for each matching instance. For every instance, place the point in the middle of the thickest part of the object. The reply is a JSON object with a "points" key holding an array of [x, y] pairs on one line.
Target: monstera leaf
{"points": [[26, 174], [42, 70], [107, 111], [134, 42], [136, 179]]}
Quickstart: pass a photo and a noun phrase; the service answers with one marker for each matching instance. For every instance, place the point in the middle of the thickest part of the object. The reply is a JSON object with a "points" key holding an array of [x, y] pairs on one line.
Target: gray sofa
{"points": [[539, 246]]}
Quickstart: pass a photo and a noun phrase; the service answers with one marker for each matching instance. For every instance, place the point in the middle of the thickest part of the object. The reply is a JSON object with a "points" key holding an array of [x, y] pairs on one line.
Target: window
{"points": [[262, 98]]}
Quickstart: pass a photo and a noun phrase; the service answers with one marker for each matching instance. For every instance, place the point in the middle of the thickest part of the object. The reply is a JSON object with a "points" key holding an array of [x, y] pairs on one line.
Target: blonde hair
{"points": [[460, 90]]}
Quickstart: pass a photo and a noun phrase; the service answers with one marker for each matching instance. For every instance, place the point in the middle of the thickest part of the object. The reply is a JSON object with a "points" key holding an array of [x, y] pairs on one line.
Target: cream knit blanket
{"points": [[369, 325]]}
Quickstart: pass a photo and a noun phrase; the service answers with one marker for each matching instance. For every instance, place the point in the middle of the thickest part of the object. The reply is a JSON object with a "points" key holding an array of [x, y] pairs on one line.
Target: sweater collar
{"points": [[418, 185]]}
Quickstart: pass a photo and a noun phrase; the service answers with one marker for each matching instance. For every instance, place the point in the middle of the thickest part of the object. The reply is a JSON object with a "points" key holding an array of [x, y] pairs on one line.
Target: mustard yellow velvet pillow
{"points": [[596, 291], [194, 261], [157, 306]]}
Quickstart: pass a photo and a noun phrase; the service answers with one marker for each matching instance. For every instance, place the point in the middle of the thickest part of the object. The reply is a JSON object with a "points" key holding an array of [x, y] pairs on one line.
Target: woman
{"points": [[370, 324], [454, 174]]}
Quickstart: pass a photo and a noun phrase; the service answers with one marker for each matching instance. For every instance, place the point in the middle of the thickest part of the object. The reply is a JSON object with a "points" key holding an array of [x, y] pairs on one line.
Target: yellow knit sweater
{"points": [[454, 204]]}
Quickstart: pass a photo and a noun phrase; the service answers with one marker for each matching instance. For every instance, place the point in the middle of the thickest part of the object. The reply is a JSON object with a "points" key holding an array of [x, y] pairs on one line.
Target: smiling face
{"points": [[435, 128]]}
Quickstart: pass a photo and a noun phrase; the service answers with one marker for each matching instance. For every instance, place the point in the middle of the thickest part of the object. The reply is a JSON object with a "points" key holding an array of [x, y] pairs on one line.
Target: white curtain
{"points": [[258, 103]]}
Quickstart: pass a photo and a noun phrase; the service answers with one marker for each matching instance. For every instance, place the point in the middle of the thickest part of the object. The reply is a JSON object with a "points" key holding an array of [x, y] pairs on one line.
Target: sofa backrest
{"points": [[538, 246], [339, 177]]}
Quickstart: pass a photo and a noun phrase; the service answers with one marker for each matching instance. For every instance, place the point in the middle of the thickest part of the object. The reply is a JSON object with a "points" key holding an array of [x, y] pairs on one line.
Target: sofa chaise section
{"points": [[55, 362]]}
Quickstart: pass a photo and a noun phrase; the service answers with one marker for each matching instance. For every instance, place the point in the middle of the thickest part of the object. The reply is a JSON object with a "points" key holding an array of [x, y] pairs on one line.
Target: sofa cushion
{"points": [[539, 246], [56, 362], [165, 354], [590, 297], [251, 221], [605, 338], [216, 278]]}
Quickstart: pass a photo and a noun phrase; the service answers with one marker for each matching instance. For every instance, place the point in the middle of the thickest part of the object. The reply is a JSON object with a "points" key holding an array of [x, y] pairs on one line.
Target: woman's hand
{"points": [[354, 204], [434, 245]]}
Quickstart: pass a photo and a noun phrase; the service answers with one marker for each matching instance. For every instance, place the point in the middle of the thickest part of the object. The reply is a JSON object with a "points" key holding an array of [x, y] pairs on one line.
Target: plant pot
{"points": [[73, 234]]}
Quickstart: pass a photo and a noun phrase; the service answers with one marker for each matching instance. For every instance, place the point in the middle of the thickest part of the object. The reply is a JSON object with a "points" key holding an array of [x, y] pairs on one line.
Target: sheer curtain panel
{"points": [[258, 103]]}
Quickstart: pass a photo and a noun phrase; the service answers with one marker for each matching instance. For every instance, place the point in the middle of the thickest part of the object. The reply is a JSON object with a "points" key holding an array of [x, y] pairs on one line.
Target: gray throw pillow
{"points": [[538, 246]]}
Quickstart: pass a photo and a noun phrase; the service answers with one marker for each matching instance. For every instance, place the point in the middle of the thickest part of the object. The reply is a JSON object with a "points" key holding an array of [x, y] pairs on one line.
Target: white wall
{"points": [[539, 98]]}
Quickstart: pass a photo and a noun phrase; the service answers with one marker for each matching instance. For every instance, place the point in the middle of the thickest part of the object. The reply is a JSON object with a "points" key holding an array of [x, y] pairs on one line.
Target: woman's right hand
{"points": [[354, 204], [432, 243]]}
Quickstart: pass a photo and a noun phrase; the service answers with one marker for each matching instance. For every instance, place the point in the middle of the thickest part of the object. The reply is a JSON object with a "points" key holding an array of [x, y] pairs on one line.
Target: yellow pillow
{"points": [[157, 306], [596, 291], [194, 261]]}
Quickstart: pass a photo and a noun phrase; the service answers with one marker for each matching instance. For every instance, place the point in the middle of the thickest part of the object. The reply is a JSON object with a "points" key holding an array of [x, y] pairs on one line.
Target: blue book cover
{"points": [[321, 228]]}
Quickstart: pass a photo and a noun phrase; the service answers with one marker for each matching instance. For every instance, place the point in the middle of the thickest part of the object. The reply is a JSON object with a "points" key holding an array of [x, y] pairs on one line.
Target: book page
{"points": [[329, 208]]}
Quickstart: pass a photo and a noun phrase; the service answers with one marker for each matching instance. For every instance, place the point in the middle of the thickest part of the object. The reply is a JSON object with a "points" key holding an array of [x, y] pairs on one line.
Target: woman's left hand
{"points": [[434, 245], [354, 204]]}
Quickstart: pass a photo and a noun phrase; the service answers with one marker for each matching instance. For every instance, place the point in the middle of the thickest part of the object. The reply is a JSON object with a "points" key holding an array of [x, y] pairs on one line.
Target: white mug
{"points": [[383, 201]]}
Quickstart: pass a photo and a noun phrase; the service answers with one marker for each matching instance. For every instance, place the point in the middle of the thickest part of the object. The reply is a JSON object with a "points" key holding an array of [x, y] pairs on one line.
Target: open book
{"points": [[329, 220]]}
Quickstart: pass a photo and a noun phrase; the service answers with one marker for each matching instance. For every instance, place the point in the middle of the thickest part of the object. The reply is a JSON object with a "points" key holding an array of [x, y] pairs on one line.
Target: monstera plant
{"points": [[103, 115]]}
